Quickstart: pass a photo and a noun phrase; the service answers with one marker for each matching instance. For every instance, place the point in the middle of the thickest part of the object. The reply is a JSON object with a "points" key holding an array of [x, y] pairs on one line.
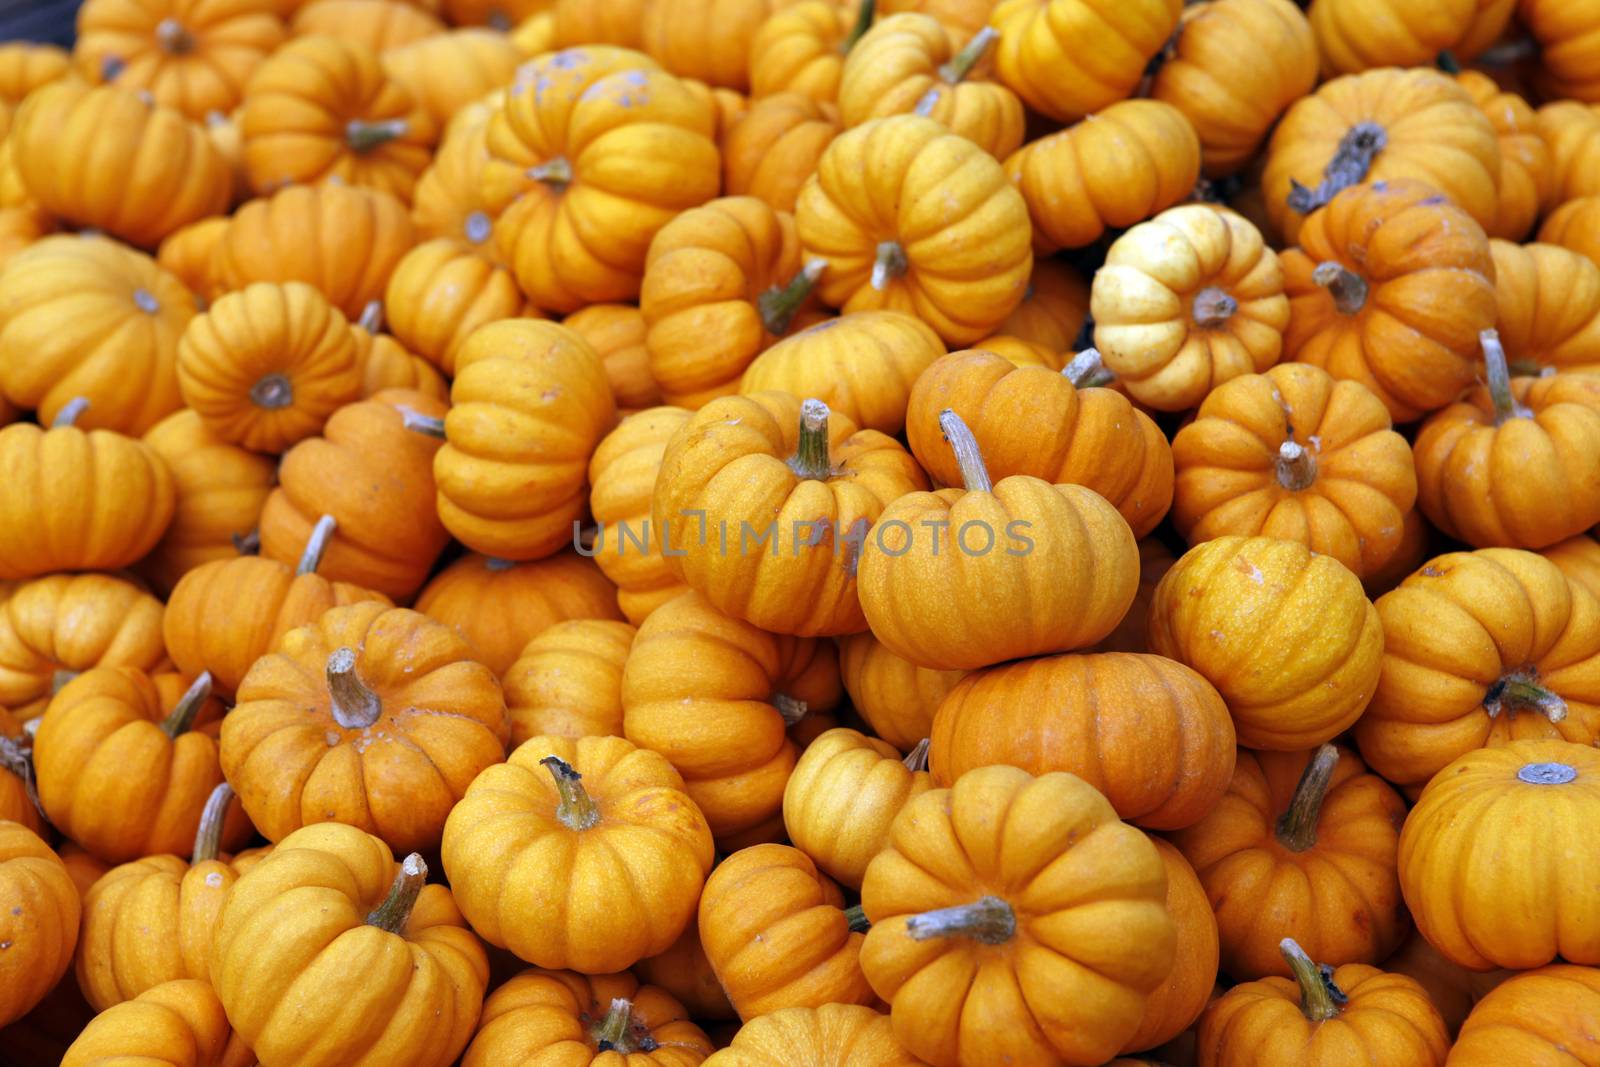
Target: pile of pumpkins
{"points": [[801, 533]]}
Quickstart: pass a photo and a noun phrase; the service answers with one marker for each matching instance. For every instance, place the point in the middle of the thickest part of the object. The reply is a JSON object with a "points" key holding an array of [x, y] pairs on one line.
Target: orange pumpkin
{"points": [[1527, 172], [801, 48], [1579, 559], [1053, 310], [1354, 36], [447, 71], [1575, 225], [897, 698], [440, 292], [180, 1022], [24, 67], [704, 39], [1452, 988], [567, 682], [386, 364], [1566, 47], [375, 24], [832, 1035], [1177, 1003], [684, 972], [1549, 306], [448, 200], [581, 22], [1572, 131], [771, 152], [617, 333], [964, 18], [40, 924], [189, 254], [1536, 1018]]}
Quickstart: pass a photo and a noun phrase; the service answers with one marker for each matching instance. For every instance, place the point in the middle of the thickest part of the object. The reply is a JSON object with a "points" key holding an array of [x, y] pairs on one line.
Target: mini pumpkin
{"points": [[1548, 300], [189, 254], [1536, 1017], [708, 40], [1572, 132], [832, 1035], [1527, 172], [386, 364], [443, 290], [1575, 225], [1053, 310], [896, 698], [24, 67], [1579, 559], [567, 682], [774, 149], [801, 48], [578, 21], [180, 1022], [39, 924], [373, 24], [684, 972], [445, 72], [1354, 36], [618, 335], [1176, 1004], [448, 200], [1452, 988]]}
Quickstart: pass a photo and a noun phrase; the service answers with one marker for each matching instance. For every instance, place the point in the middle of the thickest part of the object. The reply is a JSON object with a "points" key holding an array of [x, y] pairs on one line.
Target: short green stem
{"points": [[365, 135], [962, 62], [1297, 827], [395, 910], [317, 545], [622, 1032], [208, 838], [1521, 691], [557, 172], [577, 810], [856, 918], [863, 24], [779, 305], [1320, 999], [354, 706], [974, 474], [811, 459], [889, 264], [188, 706], [988, 920]]}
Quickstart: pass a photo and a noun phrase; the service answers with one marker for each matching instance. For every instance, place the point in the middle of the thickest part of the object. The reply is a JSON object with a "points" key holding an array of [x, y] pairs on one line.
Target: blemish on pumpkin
{"points": [[1431, 571], [214, 880]]}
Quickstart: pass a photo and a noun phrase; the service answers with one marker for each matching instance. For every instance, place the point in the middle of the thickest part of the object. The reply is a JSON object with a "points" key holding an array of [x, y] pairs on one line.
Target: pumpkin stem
{"points": [[417, 422], [498, 20], [364, 135], [557, 172], [188, 706], [989, 920], [917, 759], [497, 565], [621, 1032], [779, 304], [1348, 289], [792, 709], [1320, 999], [173, 38], [1547, 773], [317, 545], [1354, 157], [478, 227], [1297, 827], [354, 706], [1087, 370], [889, 264], [60, 679], [962, 62], [1213, 307], [208, 838], [811, 460], [16, 756], [273, 392], [864, 16], [395, 910], [371, 318], [70, 412], [1521, 691], [247, 544], [974, 475], [1506, 407], [856, 918], [577, 810], [1448, 62], [1297, 466]]}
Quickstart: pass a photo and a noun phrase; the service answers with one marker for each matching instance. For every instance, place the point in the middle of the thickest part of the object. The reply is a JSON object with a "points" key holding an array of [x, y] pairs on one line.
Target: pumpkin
{"points": [[589, 834], [378, 25], [1354, 35], [606, 1016], [20, 227], [1236, 67], [84, 870], [1527, 173], [1390, 287], [708, 40], [1046, 45], [1177, 1003], [777, 935], [830, 1035], [971, 883], [374, 716], [448, 200], [775, 148], [1572, 131], [862, 365], [266, 366], [448, 71], [162, 172], [1481, 649], [617, 333], [801, 48], [581, 22], [223, 133], [1579, 559], [1380, 126], [714, 695], [1287, 637], [1535, 1018], [1575, 225], [78, 500], [1131, 160], [180, 1022], [24, 67], [190, 56], [189, 254], [1349, 1014], [1566, 46], [40, 923], [1132, 634], [1053, 309], [721, 283], [896, 698], [582, 173], [911, 64], [86, 316], [19, 799], [224, 615], [1163, 766], [1303, 845], [567, 682], [386, 364], [375, 477], [1020, 353], [959, 261], [1549, 306], [1297, 455], [150, 921], [1067, 555], [440, 292], [51, 628], [528, 405], [1187, 301], [1531, 799], [354, 931], [1452, 988], [964, 18], [771, 470], [536, 34], [499, 15], [685, 973], [343, 239]]}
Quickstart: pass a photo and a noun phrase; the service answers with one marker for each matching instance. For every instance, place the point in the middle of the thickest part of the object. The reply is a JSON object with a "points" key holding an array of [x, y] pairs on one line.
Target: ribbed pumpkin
{"points": [[1452, 988], [1579, 559], [617, 333], [443, 290], [833, 1035], [896, 698], [774, 149], [1575, 225], [448, 71], [181, 1023], [386, 364], [1572, 130], [801, 48], [578, 21], [1053, 309], [708, 40], [1354, 36], [1527, 172], [1549, 306], [24, 67], [189, 254], [1535, 1018], [448, 200], [567, 682], [40, 923], [684, 971], [374, 24], [1177, 1003]]}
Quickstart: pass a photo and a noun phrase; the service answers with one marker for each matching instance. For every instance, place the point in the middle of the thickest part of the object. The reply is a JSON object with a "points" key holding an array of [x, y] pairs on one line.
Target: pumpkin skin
{"points": [[771, 152], [1566, 50], [578, 22], [448, 200], [1433, 132], [831, 1035], [1296, 455], [1402, 311], [172, 175], [1238, 65], [1031, 420], [422, 993], [896, 698], [1548, 300], [708, 40], [121, 352], [378, 26], [777, 936], [437, 719], [24, 67], [440, 292], [1459, 632], [1275, 864], [1532, 797], [1084, 179], [1164, 768], [500, 606], [178, 1023], [580, 233], [568, 681], [1287, 637], [1535, 1018], [1579, 559], [617, 333], [685, 973], [862, 365], [79, 500], [1053, 311], [1575, 225], [1572, 130], [41, 923], [1452, 988], [769, 466], [321, 108], [537, 1012], [16, 776], [1177, 1003], [448, 71], [345, 240], [189, 254], [961, 266], [1353, 36], [528, 405], [721, 723], [385, 364], [1527, 172], [801, 48], [984, 850], [375, 477], [1044, 49]]}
